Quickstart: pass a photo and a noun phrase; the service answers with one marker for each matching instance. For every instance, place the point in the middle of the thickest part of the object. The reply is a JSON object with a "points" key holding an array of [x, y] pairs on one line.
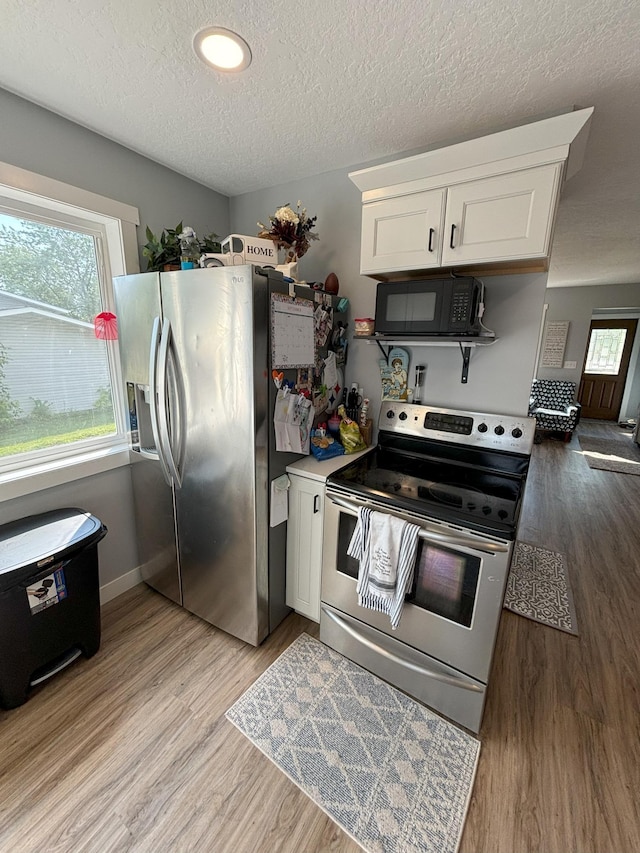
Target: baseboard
{"points": [[115, 588]]}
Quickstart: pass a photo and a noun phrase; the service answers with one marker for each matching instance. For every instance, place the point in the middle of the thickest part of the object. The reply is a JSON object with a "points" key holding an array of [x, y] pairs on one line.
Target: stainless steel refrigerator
{"points": [[195, 355]]}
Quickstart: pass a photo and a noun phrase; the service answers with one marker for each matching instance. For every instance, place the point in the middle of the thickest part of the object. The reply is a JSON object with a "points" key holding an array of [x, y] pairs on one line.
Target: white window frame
{"points": [[113, 224]]}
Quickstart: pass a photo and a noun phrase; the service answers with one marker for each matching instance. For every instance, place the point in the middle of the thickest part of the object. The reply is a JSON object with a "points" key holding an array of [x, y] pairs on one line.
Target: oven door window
{"points": [[445, 580]]}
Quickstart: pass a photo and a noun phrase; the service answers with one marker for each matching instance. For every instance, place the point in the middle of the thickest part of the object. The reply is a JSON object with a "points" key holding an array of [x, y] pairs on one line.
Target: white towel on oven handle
{"points": [[386, 547]]}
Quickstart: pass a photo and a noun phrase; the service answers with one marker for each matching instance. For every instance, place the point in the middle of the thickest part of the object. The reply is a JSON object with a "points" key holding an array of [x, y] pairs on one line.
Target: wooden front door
{"points": [[605, 368]]}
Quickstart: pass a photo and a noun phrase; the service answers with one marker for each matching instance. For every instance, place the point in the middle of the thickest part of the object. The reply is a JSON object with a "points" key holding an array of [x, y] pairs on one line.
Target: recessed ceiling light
{"points": [[223, 49]]}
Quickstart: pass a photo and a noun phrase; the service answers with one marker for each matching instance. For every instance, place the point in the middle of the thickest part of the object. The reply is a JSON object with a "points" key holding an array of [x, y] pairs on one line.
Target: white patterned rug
{"points": [[394, 775], [538, 587]]}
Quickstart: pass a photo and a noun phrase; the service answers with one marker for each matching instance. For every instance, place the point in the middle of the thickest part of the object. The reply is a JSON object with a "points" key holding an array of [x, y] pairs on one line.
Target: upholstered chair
{"points": [[553, 405]]}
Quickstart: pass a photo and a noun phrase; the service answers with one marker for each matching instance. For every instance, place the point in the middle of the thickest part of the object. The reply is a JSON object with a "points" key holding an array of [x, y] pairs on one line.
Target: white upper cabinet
{"points": [[504, 218], [401, 231], [490, 201]]}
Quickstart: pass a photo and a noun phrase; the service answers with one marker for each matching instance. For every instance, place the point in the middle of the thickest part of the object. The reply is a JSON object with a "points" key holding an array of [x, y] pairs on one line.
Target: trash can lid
{"points": [[39, 540]]}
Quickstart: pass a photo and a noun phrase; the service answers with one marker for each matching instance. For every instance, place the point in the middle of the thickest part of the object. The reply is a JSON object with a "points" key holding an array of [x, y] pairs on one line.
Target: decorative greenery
{"points": [[291, 230], [163, 250]]}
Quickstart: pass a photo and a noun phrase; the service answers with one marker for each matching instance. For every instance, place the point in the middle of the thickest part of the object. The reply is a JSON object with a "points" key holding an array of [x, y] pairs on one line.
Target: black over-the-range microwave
{"points": [[445, 306]]}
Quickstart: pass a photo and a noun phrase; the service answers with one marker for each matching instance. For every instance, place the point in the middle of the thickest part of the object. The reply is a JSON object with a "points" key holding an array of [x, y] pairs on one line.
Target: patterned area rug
{"points": [[395, 776], [538, 587], [617, 453]]}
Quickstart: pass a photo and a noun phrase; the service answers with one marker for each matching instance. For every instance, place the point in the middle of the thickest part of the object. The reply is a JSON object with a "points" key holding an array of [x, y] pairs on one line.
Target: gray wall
{"points": [[499, 376], [577, 305], [38, 140], [41, 141], [109, 497]]}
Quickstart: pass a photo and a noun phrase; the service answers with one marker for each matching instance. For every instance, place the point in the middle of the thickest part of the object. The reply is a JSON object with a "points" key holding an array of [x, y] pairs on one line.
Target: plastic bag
{"points": [[324, 447], [350, 436]]}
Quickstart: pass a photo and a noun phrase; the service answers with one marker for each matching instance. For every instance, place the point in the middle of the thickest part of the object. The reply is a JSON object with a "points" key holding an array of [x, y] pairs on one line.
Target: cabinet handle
{"points": [[432, 231], [316, 504], [453, 231]]}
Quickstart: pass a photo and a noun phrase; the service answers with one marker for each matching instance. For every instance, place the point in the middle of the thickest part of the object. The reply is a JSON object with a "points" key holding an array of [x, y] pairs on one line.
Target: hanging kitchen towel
{"points": [[386, 547]]}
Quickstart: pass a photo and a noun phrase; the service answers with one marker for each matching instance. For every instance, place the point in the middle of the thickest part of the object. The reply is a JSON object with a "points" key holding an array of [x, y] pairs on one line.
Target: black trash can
{"points": [[49, 597]]}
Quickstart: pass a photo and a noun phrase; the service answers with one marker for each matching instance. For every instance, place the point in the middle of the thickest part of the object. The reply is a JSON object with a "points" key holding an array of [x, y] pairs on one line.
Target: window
{"points": [[604, 354], [60, 386]]}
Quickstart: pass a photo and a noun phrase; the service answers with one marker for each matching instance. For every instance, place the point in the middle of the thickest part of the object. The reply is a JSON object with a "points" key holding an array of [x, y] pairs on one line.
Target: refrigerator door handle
{"points": [[153, 406], [177, 408], [163, 420]]}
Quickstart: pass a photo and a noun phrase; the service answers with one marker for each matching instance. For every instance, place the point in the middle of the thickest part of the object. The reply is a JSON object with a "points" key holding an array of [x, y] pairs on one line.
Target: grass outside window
{"points": [[38, 433]]}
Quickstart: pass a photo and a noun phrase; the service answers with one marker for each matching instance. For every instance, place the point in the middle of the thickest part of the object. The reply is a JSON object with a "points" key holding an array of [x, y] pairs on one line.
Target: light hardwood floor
{"points": [[130, 751]]}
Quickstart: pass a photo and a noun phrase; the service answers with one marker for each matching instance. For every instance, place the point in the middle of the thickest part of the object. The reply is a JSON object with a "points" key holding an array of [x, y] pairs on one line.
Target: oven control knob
{"points": [[403, 416], [516, 433], [499, 430], [482, 427], [390, 414]]}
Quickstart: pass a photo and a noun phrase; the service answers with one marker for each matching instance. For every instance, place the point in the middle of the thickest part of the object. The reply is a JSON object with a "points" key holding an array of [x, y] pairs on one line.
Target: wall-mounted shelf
{"points": [[466, 344]]}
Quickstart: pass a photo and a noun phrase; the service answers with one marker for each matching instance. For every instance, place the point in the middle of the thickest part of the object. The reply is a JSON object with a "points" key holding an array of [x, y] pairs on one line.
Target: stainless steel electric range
{"points": [[461, 477]]}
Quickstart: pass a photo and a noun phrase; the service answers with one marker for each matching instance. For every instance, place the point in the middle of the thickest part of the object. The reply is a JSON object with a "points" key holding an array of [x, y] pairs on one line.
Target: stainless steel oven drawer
{"points": [[447, 691], [465, 646]]}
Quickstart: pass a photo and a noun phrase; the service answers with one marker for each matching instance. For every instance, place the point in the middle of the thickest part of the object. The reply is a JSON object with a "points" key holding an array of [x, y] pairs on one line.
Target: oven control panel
{"points": [[474, 429]]}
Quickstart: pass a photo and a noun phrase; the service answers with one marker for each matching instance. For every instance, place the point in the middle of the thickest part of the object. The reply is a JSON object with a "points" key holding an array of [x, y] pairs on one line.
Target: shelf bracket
{"points": [[385, 354], [465, 345], [466, 355]]}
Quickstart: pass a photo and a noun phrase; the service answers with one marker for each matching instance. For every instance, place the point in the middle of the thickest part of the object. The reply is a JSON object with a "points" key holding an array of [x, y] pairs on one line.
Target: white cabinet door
{"points": [[402, 233], [505, 217], [304, 545]]}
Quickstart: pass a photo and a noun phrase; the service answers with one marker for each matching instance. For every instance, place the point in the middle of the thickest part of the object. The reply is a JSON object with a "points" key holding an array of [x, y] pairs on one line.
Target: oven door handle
{"points": [[431, 535], [422, 670]]}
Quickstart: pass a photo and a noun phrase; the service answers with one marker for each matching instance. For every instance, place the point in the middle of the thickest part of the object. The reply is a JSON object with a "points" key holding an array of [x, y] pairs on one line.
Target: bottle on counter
{"points": [[189, 249], [333, 425], [417, 393], [364, 412]]}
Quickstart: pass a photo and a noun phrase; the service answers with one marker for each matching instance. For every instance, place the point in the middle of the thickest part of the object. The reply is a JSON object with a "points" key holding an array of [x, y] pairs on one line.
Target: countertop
{"points": [[316, 469]]}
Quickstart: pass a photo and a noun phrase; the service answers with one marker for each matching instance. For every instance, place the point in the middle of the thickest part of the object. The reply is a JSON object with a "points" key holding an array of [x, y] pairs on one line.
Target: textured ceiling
{"points": [[340, 83]]}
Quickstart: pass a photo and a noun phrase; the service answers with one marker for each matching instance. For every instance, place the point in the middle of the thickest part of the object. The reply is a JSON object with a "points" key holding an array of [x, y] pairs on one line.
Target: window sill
{"points": [[16, 484]]}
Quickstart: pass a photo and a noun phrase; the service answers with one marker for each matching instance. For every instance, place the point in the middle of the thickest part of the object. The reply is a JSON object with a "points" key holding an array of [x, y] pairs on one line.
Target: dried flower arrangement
{"points": [[290, 230]]}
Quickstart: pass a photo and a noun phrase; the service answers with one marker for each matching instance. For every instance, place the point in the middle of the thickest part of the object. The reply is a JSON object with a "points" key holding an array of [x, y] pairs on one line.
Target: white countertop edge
{"points": [[320, 469]]}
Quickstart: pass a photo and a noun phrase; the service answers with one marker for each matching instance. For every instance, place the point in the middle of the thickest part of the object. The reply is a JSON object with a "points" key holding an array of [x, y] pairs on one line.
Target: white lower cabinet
{"points": [[304, 545], [308, 478]]}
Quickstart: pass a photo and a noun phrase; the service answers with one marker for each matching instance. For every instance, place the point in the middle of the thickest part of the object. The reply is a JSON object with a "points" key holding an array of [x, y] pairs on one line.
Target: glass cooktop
{"points": [[462, 494]]}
